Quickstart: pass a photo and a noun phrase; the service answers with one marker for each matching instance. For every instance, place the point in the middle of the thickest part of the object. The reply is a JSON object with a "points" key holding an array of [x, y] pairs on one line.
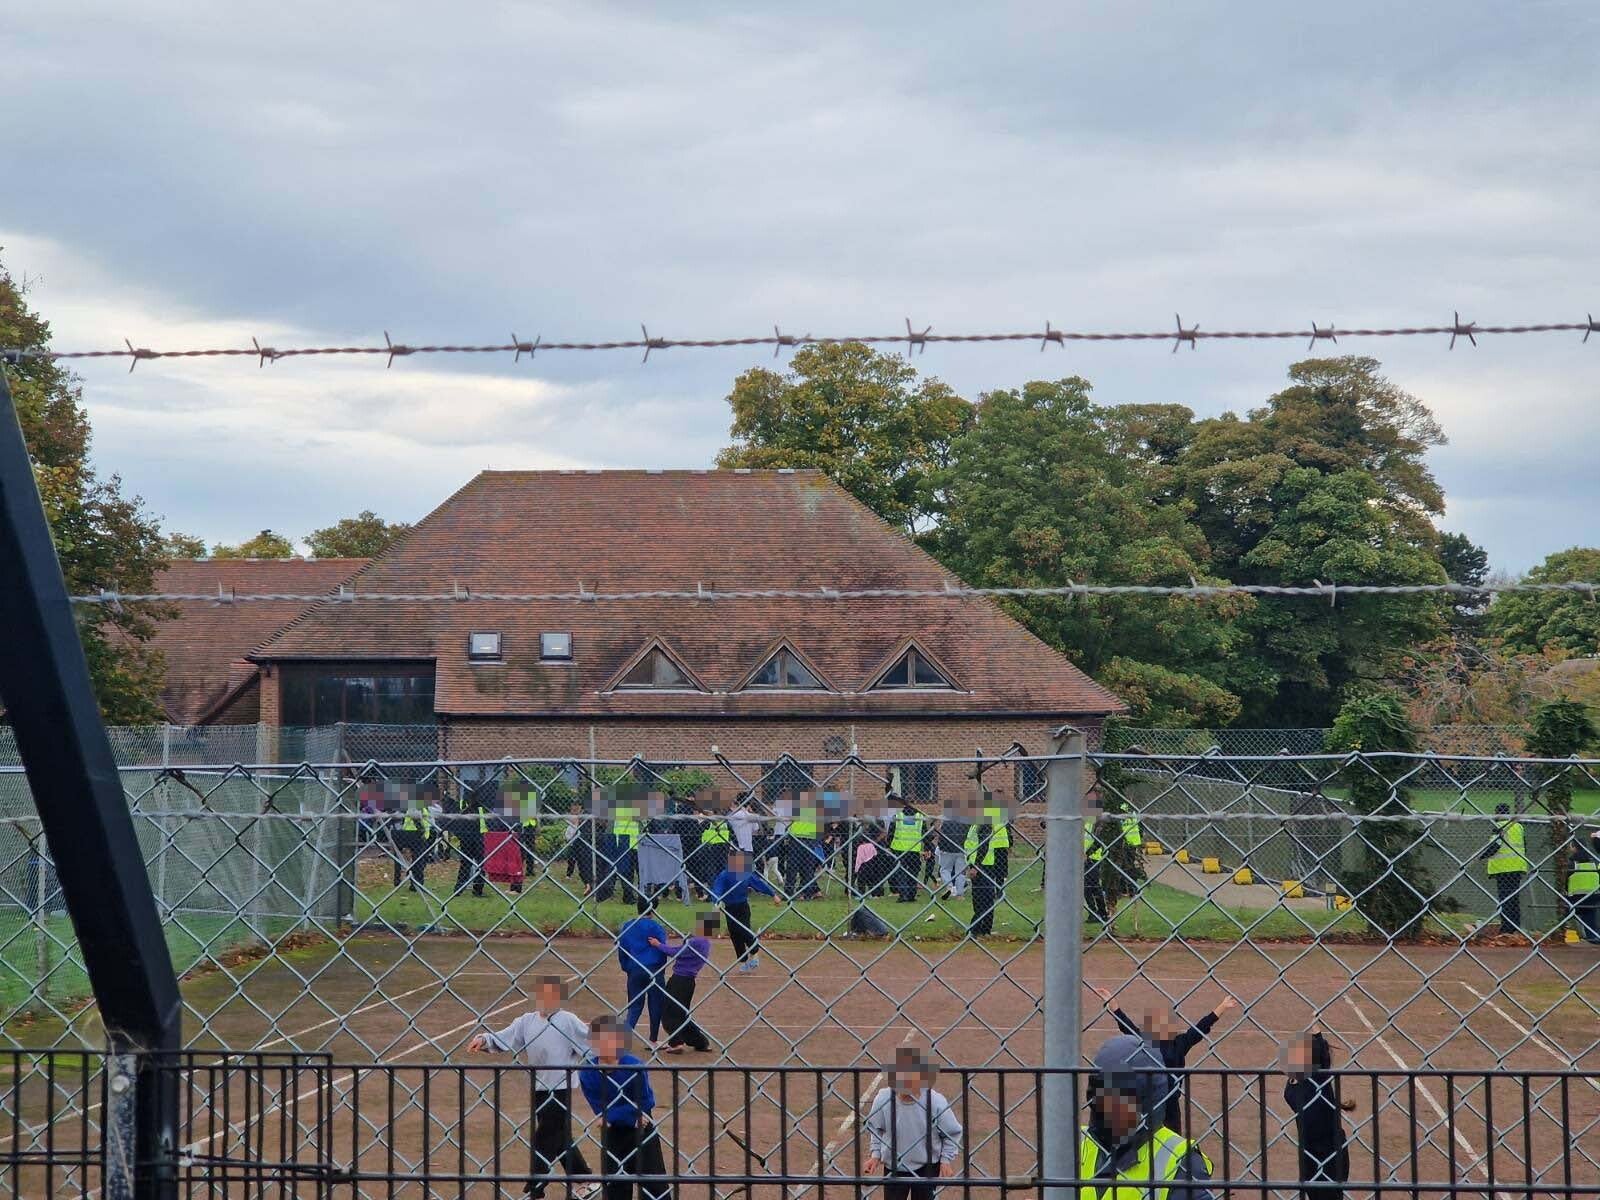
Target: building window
{"points": [[400, 694], [658, 672], [785, 671], [555, 647], [1030, 782], [483, 647], [918, 782], [911, 670]]}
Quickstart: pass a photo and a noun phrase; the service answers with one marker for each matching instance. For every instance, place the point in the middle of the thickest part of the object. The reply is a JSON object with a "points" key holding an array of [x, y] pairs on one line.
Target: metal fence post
{"points": [[1063, 954]]}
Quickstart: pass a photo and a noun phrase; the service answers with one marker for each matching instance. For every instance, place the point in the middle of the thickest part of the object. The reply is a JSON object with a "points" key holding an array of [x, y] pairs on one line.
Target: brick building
{"points": [[669, 679]]}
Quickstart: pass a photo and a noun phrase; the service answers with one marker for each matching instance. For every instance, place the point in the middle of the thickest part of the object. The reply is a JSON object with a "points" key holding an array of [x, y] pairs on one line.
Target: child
{"points": [[1160, 1028], [687, 960], [912, 1130], [731, 889], [639, 955], [617, 1087], [1312, 1093], [555, 1043]]}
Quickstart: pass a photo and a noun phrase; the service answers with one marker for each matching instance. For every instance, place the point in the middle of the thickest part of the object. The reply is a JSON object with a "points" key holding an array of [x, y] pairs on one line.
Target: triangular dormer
{"points": [[910, 669], [784, 669], [654, 668]]}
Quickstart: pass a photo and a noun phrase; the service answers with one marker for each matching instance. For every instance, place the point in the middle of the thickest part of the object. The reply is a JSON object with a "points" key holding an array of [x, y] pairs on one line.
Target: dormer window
{"points": [[483, 647], [785, 671], [656, 670], [913, 669]]}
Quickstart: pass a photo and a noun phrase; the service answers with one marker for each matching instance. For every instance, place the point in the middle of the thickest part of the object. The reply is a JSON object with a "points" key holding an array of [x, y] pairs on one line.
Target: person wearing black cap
{"points": [[1312, 1092]]}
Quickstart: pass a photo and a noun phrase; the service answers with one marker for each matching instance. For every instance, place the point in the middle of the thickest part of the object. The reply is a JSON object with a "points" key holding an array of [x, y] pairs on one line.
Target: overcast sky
{"points": [[200, 174]]}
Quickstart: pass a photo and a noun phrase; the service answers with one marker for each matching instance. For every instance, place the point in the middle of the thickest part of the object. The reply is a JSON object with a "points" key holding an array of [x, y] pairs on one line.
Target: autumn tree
{"points": [[1561, 728], [365, 535], [182, 545], [864, 419], [103, 538], [265, 544]]}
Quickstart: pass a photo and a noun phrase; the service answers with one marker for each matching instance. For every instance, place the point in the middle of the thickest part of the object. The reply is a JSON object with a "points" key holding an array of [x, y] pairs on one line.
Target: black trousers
{"points": [[907, 868], [740, 931], [411, 843], [985, 894], [908, 1185], [630, 1152], [552, 1140], [470, 861], [800, 868], [706, 861], [528, 843], [1508, 887], [681, 1029], [1002, 864]]}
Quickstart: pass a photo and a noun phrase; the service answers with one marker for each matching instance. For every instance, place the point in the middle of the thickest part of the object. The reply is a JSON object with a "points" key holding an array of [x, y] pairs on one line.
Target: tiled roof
{"points": [[612, 531], [205, 646]]}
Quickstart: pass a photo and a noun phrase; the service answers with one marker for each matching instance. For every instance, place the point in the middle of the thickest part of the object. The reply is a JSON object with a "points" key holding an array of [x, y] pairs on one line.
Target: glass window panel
{"points": [[667, 674], [795, 674]]}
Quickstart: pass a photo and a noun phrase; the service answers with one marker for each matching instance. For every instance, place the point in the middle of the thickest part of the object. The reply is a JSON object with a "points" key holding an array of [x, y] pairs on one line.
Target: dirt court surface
{"points": [[845, 1006]]}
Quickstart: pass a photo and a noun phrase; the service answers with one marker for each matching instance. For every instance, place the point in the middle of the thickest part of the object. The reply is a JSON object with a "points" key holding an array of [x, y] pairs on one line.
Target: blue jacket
{"points": [[634, 951], [619, 1095], [734, 887]]}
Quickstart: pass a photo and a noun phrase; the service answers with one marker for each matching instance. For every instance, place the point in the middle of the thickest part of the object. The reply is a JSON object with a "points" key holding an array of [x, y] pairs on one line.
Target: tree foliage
{"points": [[103, 538], [1528, 622], [265, 544], [365, 535], [182, 545], [1392, 888], [1037, 495], [862, 418]]}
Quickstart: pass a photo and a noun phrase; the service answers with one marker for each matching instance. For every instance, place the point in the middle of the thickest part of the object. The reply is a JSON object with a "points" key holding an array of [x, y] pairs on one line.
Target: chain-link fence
{"points": [[389, 911]]}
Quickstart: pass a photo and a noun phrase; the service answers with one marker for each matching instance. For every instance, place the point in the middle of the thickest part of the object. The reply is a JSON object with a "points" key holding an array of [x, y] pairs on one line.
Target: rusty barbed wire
{"points": [[916, 341], [1329, 591]]}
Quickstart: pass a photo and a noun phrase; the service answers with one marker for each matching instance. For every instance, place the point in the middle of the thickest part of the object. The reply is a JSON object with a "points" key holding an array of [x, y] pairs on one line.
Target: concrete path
{"points": [[1221, 889]]}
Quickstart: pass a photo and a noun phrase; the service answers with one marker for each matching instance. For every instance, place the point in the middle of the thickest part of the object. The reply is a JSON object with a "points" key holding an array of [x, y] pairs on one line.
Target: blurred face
{"points": [[1158, 1022], [1119, 1110], [609, 1043], [908, 1081], [736, 861], [547, 996], [1300, 1054]]}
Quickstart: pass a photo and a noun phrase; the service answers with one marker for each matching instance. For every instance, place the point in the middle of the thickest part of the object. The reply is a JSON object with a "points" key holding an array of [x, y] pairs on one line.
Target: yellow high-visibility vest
{"points": [[803, 827], [717, 833], [625, 825], [1511, 853], [907, 833], [1130, 831], [974, 840], [1158, 1163], [1583, 879], [1092, 846], [1002, 831]]}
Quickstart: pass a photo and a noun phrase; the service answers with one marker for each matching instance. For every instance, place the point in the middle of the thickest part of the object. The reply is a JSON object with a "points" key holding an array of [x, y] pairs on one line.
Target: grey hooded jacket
{"points": [[1131, 1065]]}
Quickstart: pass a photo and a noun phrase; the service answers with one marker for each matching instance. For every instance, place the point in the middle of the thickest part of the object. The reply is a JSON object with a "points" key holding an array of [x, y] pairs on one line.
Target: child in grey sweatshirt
{"points": [[912, 1131], [555, 1043]]}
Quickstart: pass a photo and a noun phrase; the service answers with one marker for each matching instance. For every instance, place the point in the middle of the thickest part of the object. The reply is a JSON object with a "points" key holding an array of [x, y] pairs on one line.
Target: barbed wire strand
{"points": [[1329, 591], [915, 340]]}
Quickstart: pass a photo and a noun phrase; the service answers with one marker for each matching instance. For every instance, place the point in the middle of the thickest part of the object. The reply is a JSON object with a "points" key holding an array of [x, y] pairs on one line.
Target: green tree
{"points": [[1528, 622], [365, 535], [1329, 480], [1040, 492], [182, 545], [1391, 888], [265, 544], [103, 538], [1560, 729], [1465, 563], [862, 418]]}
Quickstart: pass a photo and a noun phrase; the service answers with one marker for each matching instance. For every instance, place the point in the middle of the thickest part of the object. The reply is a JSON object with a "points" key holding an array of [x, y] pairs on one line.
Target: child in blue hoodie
{"points": [[642, 965], [617, 1086]]}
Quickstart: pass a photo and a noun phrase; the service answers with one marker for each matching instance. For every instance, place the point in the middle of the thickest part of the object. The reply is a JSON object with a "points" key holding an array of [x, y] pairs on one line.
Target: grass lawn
{"points": [[1483, 800]]}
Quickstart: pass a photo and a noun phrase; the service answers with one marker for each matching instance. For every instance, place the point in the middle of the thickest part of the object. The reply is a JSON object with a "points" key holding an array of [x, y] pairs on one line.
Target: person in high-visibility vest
{"points": [[623, 860], [1506, 860], [803, 849], [980, 869], [997, 812], [471, 827], [411, 835], [1583, 886], [709, 857], [1094, 887], [906, 828], [1126, 1148]]}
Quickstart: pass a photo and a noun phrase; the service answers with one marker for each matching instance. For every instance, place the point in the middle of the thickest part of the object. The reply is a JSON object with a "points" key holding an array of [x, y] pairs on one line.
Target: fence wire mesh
{"points": [[387, 911]]}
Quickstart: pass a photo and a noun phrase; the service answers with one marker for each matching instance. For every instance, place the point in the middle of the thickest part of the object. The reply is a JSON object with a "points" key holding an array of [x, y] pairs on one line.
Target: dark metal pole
{"points": [[44, 681]]}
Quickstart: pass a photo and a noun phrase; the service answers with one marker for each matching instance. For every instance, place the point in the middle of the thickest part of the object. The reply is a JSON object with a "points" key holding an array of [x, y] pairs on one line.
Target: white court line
{"points": [[1554, 1052], [1427, 1093]]}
